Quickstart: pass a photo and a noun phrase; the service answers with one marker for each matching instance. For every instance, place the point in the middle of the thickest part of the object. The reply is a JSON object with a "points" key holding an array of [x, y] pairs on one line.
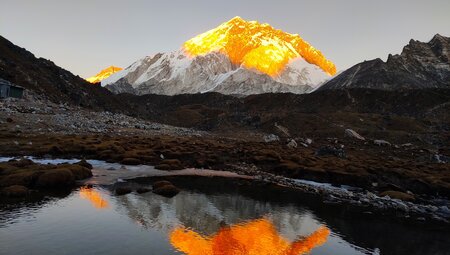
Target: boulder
{"points": [[353, 134], [169, 164], [55, 178], [15, 191], [142, 190], [84, 163], [167, 191], [165, 188], [159, 184], [131, 161], [122, 190], [79, 172], [22, 162]]}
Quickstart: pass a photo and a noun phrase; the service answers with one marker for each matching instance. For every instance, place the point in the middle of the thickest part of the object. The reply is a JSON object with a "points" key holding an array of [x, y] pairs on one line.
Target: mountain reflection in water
{"points": [[94, 197], [251, 238]]}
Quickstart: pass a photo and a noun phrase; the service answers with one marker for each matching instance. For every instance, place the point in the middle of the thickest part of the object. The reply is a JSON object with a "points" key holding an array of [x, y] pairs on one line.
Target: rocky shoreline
{"points": [[433, 209], [409, 178]]}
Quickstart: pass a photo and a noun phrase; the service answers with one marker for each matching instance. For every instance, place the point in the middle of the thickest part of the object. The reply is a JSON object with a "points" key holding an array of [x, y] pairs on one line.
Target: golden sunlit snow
{"points": [[105, 73], [257, 46]]}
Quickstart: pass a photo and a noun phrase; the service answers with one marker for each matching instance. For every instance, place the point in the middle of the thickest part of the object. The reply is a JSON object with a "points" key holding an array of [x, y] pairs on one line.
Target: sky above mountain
{"points": [[86, 36]]}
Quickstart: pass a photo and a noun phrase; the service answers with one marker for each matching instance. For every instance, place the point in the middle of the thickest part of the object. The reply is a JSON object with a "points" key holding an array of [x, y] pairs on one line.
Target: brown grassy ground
{"points": [[365, 163]]}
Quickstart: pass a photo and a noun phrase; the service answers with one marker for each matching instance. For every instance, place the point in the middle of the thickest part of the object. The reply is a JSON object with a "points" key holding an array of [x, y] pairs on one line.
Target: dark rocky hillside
{"points": [[420, 65], [322, 113], [50, 81]]}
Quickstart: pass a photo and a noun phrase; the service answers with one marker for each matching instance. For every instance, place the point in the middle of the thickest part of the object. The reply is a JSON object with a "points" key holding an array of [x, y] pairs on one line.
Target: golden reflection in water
{"points": [[257, 237], [94, 197]]}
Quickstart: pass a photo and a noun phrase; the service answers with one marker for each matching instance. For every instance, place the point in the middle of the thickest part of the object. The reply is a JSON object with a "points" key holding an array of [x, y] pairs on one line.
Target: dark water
{"points": [[221, 219]]}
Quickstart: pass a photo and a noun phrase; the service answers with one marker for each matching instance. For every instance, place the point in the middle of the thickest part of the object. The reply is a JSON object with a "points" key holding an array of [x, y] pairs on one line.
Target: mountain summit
{"points": [[237, 57], [103, 74], [257, 46]]}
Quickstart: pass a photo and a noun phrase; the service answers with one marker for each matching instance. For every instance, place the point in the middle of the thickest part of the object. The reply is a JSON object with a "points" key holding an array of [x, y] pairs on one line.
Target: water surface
{"points": [[217, 218]]}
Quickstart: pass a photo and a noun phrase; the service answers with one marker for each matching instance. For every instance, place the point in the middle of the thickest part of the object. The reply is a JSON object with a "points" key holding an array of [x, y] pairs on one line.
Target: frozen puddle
{"points": [[105, 173]]}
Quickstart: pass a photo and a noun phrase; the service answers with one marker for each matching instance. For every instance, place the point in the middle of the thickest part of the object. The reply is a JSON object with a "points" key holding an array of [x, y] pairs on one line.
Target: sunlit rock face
{"points": [[238, 57], [103, 74], [251, 238], [257, 46]]}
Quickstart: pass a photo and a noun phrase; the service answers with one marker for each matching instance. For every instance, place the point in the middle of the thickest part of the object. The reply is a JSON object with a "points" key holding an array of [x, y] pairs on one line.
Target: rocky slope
{"points": [[420, 65], [176, 73], [44, 79]]}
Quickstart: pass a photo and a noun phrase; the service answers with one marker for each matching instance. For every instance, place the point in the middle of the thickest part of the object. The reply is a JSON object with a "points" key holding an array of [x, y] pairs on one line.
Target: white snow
{"points": [[119, 75], [175, 73]]}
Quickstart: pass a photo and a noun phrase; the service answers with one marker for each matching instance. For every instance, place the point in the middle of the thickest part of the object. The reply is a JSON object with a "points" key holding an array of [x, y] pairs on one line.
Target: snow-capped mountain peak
{"points": [[279, 62]]}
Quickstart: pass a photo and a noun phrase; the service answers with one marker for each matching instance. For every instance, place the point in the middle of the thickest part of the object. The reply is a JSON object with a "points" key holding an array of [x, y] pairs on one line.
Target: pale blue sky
{"points": [[85, 36]]}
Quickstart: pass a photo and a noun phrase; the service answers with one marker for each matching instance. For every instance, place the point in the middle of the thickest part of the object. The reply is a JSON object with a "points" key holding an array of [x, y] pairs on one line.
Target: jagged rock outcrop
{"points": [[420, 65]]}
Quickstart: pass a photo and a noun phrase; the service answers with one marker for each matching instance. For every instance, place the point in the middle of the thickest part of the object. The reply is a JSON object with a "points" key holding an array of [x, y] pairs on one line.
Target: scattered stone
{"points": [[271, 138], [283, 131], [9, 120], [353, 134], [381, 143], [292, 144]]}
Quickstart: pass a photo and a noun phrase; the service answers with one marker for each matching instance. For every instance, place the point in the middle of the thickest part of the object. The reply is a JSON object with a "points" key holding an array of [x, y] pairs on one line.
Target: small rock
{"points": [[9, 120], [353, 134], [381, 143], [292, 144], [271, 138], [122, 191]]}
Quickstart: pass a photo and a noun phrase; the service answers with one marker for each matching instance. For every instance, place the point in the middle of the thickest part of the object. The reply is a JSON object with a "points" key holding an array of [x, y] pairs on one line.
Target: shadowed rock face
{"points": [[50, 81], [420, 65]]}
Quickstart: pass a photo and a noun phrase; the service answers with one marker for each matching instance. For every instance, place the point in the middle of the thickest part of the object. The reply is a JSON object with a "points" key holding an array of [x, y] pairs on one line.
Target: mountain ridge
{"points": [[419, 65], [49, 81]]}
